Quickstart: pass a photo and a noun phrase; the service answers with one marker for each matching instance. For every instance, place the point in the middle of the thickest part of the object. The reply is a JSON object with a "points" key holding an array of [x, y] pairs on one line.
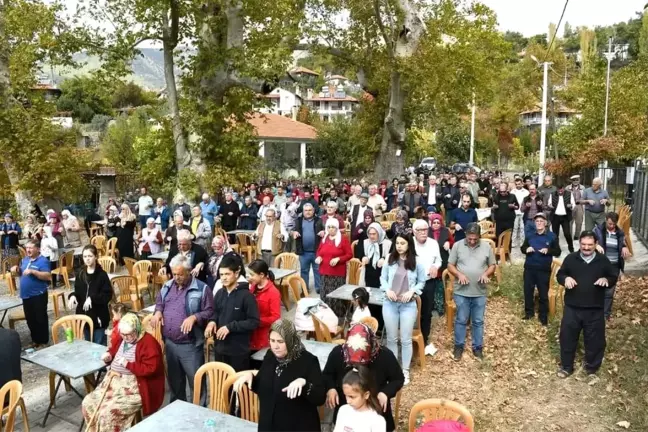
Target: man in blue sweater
{"points": [[540, 248], [462, 216]]}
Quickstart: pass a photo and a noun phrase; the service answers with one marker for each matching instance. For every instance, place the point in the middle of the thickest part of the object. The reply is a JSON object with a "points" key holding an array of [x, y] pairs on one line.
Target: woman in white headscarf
{"points": [[332, 256], [150, 239], [373, 253], [72, 229], [126, 233]]}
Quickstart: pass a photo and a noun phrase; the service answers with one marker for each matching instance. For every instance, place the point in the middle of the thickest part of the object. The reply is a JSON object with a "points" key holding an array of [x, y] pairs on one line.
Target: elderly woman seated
{"points": [[135, 380]]}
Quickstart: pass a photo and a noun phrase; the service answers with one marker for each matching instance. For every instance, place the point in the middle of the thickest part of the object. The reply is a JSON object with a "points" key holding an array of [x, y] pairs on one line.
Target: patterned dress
{"points": [[122, 400]]}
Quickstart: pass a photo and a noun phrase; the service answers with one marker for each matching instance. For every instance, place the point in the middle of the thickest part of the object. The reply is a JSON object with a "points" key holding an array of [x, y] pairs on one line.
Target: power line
{"points": [[553, 37]]}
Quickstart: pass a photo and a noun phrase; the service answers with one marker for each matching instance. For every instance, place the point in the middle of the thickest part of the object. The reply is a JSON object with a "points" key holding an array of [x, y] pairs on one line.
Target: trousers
{"points": [[563, 221], [592, 219], [36, 316], [430, 300], [473, 308], [518, 231], [577, 219], [183, 361], [306, 261], [536, 278], [591, 321]]}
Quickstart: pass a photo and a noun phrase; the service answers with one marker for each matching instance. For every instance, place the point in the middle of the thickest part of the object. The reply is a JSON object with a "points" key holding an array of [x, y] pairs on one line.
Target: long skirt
{"points": [[119, 407], [330, 284]]}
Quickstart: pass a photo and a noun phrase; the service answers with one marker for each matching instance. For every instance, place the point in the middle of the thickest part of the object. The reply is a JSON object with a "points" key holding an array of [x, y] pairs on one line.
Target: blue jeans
{"points": [[142, 220], [306, 260], [472, 308], [98, 335], [400, 316]]}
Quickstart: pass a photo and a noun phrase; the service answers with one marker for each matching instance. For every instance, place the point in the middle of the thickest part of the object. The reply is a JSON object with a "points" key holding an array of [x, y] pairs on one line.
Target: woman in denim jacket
{"points": [[401, 279]]}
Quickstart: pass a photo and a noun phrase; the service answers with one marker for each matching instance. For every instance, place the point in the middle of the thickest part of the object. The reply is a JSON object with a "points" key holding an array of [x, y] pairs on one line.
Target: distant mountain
{"points": [[148, 68]]}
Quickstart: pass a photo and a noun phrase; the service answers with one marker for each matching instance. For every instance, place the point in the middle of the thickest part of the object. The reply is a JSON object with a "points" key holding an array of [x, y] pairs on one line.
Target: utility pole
{"points": [[543, 126], [609, 56], [472, 134]]}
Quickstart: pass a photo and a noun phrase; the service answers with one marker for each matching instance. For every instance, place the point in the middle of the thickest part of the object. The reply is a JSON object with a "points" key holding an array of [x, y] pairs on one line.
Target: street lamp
{"points": [[543, 126]]}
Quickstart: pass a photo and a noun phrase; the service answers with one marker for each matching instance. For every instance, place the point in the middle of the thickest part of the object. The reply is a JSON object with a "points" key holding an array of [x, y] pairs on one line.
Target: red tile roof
{"points": [[277, 126]]}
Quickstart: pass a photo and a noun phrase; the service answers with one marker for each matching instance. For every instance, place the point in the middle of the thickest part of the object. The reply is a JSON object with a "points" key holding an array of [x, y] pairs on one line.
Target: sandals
{"points": [[563, 374]]}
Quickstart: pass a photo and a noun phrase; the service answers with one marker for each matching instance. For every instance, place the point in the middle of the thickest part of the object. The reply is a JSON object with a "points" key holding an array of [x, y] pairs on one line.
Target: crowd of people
{"points": [[210, 292]]}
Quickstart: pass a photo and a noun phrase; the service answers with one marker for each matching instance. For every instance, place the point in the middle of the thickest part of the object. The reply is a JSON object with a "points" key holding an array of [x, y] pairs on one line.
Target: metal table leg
{"points": [[49, 408], [3, 317]]}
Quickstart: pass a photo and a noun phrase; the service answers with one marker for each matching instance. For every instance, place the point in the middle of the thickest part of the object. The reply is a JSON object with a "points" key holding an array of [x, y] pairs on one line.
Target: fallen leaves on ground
{"points": [[515, 388]]}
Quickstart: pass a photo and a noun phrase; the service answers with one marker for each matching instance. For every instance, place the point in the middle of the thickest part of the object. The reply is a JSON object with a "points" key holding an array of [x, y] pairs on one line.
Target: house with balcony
{"points": [[281, 102], [563, 116], [330, 102]]}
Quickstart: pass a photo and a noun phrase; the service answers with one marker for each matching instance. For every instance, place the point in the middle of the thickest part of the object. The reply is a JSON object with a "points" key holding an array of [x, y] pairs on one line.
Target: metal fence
{"points": [[619, 182], [640, 204]]}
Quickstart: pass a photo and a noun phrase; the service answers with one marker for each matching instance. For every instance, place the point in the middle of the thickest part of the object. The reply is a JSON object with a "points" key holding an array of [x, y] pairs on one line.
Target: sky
{"points": [[532, 17]]}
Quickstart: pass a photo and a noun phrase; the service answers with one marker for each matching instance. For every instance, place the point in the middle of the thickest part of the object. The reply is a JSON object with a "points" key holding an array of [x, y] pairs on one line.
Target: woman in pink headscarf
{"points": [[444, 237]]}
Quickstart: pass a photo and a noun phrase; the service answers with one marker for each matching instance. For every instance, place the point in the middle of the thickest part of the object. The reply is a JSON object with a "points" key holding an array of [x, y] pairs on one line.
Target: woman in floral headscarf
{"points": [[289, 383], [360, 231], [57, 227], [72, 229], [443, 236], [363, 348], [32, 228], [373, 252], [402, 225], [136, 359]]}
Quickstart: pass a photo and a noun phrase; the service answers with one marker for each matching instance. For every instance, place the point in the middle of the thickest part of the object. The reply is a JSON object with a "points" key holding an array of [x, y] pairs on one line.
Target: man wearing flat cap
{"points": [[578, 212], [539, 248], [357, 213]]}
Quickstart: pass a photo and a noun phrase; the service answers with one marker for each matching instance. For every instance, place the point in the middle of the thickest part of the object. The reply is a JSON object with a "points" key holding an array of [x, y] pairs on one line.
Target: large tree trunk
{"points": [[390, 161], [185, 159], [389, 164]]}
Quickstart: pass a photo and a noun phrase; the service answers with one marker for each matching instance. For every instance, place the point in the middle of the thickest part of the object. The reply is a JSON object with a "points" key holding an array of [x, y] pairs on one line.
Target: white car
{"points": [[427, 165]]}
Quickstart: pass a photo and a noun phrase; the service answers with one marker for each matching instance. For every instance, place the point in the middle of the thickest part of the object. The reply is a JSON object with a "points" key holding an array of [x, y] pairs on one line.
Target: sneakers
{"points": [[479, 355], [458, 352], [430, 349], [406, 375]]}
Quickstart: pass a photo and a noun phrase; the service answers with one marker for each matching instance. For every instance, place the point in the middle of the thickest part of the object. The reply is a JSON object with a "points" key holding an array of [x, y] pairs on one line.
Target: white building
{"points": [[282, 102], [563, 116], [330, 102]]}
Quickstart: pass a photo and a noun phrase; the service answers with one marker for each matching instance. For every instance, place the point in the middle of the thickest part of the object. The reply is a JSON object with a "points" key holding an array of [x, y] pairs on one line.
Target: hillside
{"points": [[148, 69]]}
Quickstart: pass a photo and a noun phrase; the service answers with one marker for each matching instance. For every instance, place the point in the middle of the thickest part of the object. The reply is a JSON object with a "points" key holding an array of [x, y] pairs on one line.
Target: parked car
{"points": [[464, 167], [427, 165]]}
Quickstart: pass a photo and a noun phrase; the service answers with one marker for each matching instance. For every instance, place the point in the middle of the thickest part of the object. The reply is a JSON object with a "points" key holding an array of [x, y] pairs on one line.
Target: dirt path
{"points": [[515, 388]]}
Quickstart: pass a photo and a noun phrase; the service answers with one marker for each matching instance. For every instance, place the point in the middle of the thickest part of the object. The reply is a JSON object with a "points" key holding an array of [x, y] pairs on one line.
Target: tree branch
{"points": [[381, 26], [175, 23]]}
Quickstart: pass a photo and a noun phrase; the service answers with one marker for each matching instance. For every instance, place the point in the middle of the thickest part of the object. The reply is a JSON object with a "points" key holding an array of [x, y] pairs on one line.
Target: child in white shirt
{"points": [[361, 413], [361, 302]]}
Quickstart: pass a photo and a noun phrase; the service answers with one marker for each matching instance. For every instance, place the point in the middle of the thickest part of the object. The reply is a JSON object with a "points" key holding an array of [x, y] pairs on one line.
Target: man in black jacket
{"points": [[194, 252], [504, 206], [451, 197], [561, 204], [229, 212], [585, 275], [236, 316], [308, 232]]}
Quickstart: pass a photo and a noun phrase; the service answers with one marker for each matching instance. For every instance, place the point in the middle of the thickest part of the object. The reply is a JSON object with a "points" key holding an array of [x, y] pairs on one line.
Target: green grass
{"points": [[512, 285]]}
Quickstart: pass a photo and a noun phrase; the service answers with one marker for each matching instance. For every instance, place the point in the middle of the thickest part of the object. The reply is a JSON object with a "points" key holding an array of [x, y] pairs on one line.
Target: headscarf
{"points": [[126, 215], [149, 221], [443, 426], [361, 347], [133, 321], [54, 221], [334, 222], [294, 344], [113, 211], [436, 233], [402, 228], [372, 250], [71, 219]]}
